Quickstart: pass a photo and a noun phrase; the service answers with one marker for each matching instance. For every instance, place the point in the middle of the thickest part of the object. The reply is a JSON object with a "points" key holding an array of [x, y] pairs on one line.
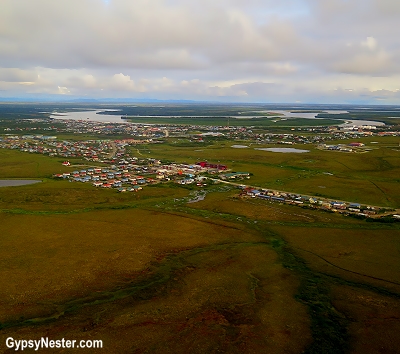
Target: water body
{"points": [[16, 182], [197, 199], [108, 118], [284, 150], [239, 146], [288, 114], [359, 123], [90, 116], [349, 123]]}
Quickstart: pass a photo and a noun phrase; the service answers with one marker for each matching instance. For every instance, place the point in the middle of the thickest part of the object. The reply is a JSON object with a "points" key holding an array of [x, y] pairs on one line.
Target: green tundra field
{"points": [[149, 272]]}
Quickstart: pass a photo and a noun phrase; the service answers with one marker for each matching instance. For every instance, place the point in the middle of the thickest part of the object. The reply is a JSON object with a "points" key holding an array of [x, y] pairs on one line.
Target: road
{"points": [[397, 211], [113, 150]]}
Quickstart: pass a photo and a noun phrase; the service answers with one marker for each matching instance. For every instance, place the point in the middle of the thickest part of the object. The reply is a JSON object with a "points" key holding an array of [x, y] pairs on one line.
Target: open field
{"points": [[16, 164], [88, 267], [63, 196], [75, 249], [371, 256], [375, 324]]}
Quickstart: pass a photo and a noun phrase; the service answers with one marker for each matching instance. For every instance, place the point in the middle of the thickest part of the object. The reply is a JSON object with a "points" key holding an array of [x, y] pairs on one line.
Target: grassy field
{"points": [[349, 269], [71, 250], [113, 272], [63, 196], [360, 267], [374, 324], [371, 256], [16, 164]]}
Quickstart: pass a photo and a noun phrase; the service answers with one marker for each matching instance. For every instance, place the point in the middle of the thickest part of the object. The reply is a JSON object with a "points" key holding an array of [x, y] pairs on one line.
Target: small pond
{"points": [[16, 182], [296, 151]]}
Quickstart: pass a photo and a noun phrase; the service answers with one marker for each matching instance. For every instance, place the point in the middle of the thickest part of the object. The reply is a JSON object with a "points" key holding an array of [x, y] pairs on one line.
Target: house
{"points": [[355, 210], [253, 192], [205, 164], [278, 199], [235, 175], [186, 181], [355, 205], [356, 144], [338, 205]]}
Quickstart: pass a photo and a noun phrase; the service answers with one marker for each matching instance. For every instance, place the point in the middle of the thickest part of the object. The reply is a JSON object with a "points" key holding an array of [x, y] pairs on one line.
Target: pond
{"points": [[17, 182], [296, 151]]}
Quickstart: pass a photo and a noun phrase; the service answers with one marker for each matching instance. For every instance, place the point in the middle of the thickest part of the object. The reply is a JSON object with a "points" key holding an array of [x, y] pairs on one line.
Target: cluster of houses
{"points": [[352, 147], [234, 176], [142, 131], [152, 133], [312, 202], [91, 150], [121, 179], [131, 174]]}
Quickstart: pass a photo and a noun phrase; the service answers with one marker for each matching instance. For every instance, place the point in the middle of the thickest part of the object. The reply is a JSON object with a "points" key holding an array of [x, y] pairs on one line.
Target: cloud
{"points": [[370, 43], [17, 75], [63, 90], [161, 47], [122, 82], [367, 58]]}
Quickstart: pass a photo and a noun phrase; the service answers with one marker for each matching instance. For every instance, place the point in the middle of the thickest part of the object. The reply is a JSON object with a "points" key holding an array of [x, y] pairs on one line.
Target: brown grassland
{"points": [[220, 284], [370, 255]]}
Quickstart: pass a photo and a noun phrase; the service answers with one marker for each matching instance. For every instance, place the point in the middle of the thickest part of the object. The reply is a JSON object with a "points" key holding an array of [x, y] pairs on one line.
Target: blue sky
{"points": [[327, 51]]}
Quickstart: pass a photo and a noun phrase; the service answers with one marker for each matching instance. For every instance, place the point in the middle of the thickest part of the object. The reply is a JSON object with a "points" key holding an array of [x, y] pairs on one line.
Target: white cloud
{"points": [[89, 47], [122, 82], [16, 75], [63, 90], [370, 43]]}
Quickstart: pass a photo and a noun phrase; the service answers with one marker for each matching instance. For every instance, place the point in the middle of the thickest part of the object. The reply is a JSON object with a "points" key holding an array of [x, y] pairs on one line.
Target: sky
{"points": [[287, 51]]}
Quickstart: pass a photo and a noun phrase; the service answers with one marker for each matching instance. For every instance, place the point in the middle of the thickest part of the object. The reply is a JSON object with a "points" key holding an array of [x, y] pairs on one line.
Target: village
{"points": [[312, 202], [157, 133], [125, 173], [131, 177]]}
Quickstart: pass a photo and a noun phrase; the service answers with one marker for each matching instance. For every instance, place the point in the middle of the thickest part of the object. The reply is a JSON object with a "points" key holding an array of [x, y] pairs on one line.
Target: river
{"points": [[90, 116], [109, 118]]}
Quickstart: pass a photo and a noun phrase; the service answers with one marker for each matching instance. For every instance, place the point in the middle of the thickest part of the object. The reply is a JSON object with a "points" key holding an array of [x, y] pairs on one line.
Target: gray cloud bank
{"points": [[297, 50]]}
